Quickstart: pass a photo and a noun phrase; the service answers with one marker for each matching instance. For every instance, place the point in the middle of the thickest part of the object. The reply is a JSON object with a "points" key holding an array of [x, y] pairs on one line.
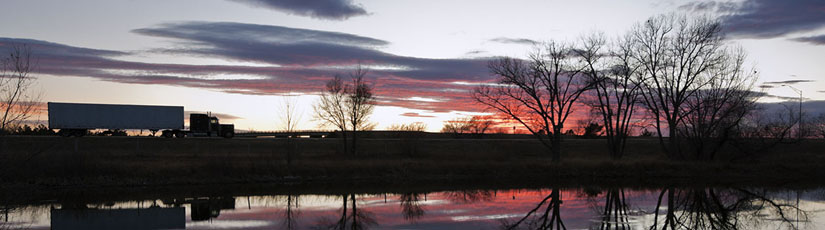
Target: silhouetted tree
{"points": [[538, 93], [718, 107], [17, 100], [347, 106], [360, 103], [331, 108], [611, 70], [290, 118], [685, 67]]}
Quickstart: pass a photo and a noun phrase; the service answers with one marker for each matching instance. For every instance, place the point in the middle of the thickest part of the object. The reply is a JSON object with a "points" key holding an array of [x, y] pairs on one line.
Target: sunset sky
{"points": [[238, 57]]}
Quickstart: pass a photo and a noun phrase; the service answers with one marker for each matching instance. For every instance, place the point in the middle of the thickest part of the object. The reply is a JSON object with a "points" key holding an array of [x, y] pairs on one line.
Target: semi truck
{"points": [[76, 119]]}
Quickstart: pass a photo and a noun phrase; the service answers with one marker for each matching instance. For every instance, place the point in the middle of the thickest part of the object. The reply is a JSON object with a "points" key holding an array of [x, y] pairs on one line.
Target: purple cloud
{"points": [[322, 9], [765, 18], [306, 48], [300, 60], [816, 40]]}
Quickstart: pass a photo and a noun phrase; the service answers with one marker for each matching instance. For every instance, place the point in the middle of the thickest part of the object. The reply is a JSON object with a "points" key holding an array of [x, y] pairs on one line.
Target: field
{"points": [[93, 162]]}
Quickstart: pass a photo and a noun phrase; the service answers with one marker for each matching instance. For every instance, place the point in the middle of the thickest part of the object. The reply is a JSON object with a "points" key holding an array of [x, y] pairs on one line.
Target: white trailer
{"points": [[76, 118]]}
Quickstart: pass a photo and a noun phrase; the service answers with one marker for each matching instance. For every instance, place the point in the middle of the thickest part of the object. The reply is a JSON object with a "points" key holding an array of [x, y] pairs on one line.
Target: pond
{"points": [[546, 208]]}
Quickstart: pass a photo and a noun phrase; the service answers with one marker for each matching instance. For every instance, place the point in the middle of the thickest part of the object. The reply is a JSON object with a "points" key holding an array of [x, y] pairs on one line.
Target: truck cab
{"points": [[206, 125], [203, 125]]}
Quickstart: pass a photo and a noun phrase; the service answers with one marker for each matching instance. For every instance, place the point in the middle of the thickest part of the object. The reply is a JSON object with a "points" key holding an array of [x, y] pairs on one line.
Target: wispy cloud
{"points": [[521, 41], [816, 40], [788, 82], [322, 9], [415, 115]]}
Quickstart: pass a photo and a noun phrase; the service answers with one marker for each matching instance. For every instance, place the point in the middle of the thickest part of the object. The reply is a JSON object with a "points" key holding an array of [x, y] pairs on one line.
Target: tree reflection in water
{"points": [[353, 219], [290, 213], [548, 218], [720, 209], [469, 196], [411, 206], [616, 212]]}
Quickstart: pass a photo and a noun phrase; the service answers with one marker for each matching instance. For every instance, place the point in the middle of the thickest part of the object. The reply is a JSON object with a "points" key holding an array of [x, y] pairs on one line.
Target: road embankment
{"points": [[94, 162]]}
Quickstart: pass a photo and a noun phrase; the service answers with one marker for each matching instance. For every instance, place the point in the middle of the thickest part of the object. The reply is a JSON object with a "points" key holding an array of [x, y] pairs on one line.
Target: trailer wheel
{"points": [[166, 134], [179, 135], [228, 135]]}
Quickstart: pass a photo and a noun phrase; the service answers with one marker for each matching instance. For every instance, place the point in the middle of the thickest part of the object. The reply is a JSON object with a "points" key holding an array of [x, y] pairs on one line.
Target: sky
{"points": [[239, 58]]}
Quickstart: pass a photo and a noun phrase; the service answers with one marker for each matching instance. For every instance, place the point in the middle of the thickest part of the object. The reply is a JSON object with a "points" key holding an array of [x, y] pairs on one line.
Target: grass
{"points": [[94, 162]]}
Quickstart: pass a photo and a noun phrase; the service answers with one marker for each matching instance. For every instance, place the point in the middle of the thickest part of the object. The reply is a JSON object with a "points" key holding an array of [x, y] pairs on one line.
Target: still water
{"points": [[580, 208]]}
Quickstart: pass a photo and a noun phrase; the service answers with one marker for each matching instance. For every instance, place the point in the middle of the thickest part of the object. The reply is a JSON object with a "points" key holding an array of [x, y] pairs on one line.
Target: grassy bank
{"points": [[93, 162]]}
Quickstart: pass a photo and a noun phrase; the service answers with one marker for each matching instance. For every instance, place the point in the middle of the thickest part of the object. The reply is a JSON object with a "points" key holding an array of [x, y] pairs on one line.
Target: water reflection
{"points": [[554, 208], [411, 206], [355, 219], [723, 209], [546, 215]]}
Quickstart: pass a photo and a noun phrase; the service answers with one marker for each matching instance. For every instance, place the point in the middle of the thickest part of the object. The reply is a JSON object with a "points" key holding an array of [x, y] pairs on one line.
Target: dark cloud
{"points": [[415, 115], [709, 6], [305, 48], [810, 107], [298, 61], [816, 40], [765, 18], [322, 9], [788, 82], [521, 41]]}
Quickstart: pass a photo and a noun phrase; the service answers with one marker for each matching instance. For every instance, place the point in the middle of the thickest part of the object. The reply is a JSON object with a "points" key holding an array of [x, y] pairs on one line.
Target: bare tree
{"points": [[360, 104], [717, 108], [347, 106], [538, 93], [290, 118], [612, 74], [331, 108], [678, 57], [17, 101]]}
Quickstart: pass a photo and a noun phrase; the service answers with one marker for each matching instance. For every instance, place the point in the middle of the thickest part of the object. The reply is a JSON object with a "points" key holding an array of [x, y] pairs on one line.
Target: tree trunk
{"points": [[673, 142], [354, 139], [556, 144], [344, 135]]}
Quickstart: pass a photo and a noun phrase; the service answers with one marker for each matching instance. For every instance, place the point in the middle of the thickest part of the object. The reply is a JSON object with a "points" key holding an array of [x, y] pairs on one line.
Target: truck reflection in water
{"points": [[128, 218], [173, 216], [205, 208]]}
